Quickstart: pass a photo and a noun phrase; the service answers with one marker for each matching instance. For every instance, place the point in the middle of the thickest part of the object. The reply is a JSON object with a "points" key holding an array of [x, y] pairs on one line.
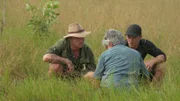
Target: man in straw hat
{"points": [[118, 66], [144, 47], [70, 56]]}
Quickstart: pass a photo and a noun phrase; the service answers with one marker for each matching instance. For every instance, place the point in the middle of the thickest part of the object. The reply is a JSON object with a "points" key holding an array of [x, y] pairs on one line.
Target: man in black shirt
{"points": [[134, 40]]}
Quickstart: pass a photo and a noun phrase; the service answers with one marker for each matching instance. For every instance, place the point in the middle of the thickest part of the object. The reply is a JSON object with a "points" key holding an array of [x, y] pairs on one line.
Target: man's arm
{"points": [[158, 59], [158, 54], [52, 58], [99, 72], [53, 55]]}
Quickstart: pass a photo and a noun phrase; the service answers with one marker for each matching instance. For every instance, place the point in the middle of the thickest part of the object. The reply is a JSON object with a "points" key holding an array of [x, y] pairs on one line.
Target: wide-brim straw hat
{"points": [[76, 30]]}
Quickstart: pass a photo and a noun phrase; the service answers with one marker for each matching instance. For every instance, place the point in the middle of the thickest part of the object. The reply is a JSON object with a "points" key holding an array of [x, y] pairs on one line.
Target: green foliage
{"points": [[42, 17]]}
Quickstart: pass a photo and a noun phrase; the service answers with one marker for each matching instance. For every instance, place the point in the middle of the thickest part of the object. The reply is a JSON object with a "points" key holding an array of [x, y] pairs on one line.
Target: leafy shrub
{"points": [[42, 17]]}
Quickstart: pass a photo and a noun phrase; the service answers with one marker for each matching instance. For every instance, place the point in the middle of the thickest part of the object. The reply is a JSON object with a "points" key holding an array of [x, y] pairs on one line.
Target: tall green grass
{"points": [[24, 75]]}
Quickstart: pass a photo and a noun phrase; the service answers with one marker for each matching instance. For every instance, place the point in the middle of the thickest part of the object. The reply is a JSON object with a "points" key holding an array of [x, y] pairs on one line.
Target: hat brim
{"points": [[78, 35], [132, 34]]}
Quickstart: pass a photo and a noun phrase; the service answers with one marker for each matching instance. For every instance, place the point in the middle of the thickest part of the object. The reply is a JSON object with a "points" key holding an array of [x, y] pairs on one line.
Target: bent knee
{"points": [[55, 67], [160, 67], [89, 74]]}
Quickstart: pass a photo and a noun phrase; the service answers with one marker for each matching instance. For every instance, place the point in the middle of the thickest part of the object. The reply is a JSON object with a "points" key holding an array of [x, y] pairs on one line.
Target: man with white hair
{"points": [[118, 66], [70, 56]]}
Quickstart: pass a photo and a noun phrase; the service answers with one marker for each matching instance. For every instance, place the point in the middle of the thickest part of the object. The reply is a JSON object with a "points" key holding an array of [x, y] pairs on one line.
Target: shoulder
{"points": [[113, 51], [87, 50], [59, 42], [86, 47], [62, 41], [146, 43], [131, 52], [57, 47], [135, 52], [106, 53]]}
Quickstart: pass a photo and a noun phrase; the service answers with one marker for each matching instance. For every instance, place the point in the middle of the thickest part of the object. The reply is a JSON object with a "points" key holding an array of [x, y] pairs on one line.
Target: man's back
{"points": [[121, 66]]}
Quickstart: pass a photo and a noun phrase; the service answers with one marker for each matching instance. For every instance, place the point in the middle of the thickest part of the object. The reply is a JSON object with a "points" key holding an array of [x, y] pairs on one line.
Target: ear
{"points": [[110, 43], [105, 42]]}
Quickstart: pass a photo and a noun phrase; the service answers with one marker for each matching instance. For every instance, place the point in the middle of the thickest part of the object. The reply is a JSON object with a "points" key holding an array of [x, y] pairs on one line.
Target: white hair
{"points": [[113, 36]]}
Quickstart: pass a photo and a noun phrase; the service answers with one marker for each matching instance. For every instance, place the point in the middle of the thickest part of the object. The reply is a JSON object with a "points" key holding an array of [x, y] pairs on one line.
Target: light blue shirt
{"points": [[120, 66]]}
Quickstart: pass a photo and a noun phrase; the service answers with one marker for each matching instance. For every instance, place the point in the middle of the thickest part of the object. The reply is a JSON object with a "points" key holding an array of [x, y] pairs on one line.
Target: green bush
{"points": [[42, 17]]}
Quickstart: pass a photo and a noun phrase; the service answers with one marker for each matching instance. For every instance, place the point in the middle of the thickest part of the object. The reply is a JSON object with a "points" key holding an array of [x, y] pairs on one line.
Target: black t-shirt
{"points": [[147, 47]]}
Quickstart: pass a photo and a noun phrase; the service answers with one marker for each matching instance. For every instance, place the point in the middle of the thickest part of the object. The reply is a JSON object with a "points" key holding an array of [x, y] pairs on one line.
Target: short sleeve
{"points": [[152, 49], [56, 48]]}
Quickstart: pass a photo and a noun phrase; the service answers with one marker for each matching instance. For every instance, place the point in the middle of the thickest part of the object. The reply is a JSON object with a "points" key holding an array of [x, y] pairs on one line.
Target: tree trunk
{"points": [[3, 21]]}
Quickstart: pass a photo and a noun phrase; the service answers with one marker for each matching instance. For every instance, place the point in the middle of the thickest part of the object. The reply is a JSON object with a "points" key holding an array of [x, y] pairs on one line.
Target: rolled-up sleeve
{"points": [[153, 50]]}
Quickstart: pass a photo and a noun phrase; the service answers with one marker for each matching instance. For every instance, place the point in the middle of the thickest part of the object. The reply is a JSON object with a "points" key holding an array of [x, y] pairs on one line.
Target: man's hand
{"points": [[54, 59], [149, 64], [159, 59], [70, 66]]}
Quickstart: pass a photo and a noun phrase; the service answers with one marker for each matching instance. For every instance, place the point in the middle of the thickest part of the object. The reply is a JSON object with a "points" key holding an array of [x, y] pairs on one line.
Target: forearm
{"points": [[159, 59], [52, 58]]}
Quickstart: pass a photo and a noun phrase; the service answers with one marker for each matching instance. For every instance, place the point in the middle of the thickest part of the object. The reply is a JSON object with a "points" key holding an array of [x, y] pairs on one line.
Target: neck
{"points": [[74, 49], [135, 47], [109, 46]]}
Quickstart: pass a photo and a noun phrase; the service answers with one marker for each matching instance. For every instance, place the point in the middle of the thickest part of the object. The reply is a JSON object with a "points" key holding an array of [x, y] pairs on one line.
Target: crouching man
{"points": [[70, 56]]}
